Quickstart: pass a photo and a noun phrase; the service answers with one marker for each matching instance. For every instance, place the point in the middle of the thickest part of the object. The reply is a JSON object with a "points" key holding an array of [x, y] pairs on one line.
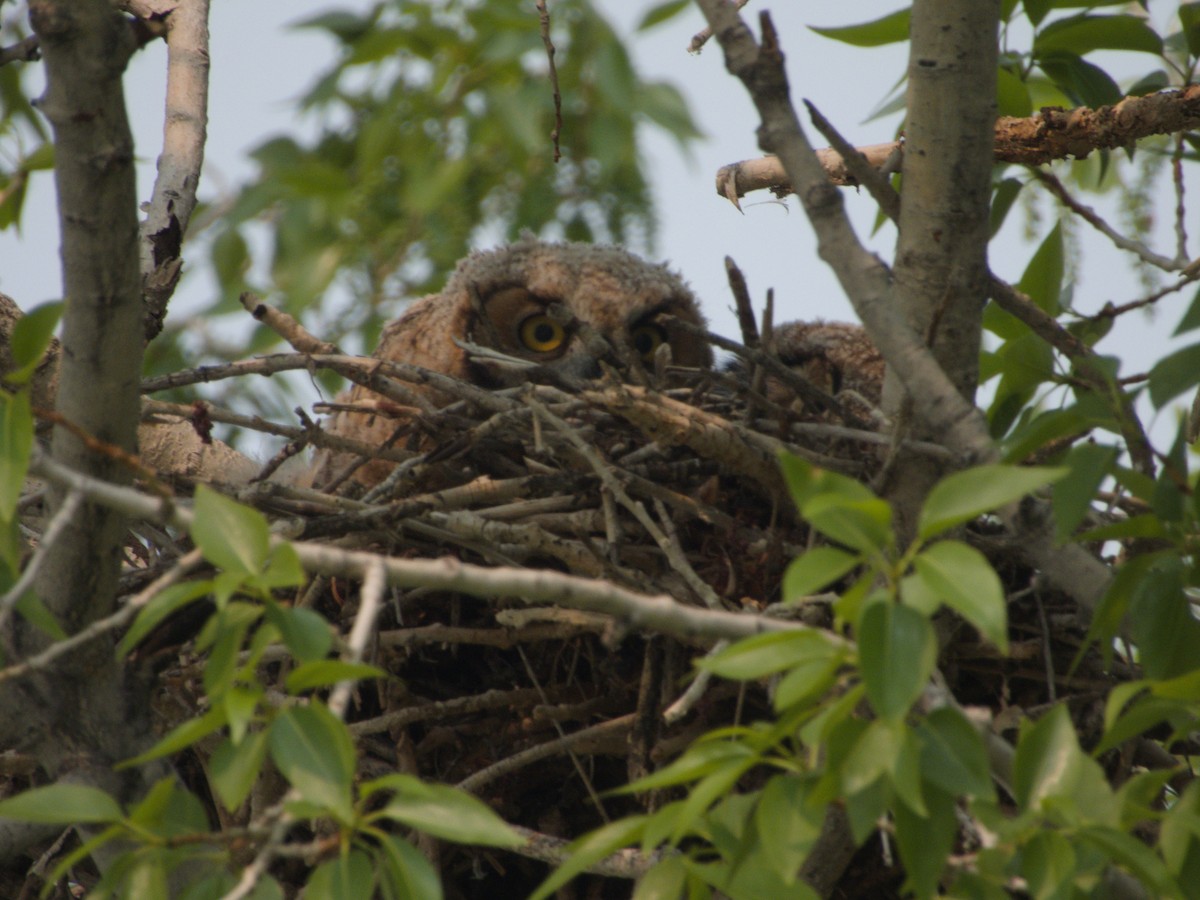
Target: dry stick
{"points": [[658, 612], [745, 308], [285, 325], [1051, 134], [701, 37], [446, 709], [671, 549], [1089, 215], [544, 24], [370, 604], [62, 518], [579, 770], [1180, 210], [186, 564], [566, 743]]}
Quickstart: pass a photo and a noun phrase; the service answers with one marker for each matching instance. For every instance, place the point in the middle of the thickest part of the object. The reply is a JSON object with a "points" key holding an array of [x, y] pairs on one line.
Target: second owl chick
{"points": [[501, 299]]}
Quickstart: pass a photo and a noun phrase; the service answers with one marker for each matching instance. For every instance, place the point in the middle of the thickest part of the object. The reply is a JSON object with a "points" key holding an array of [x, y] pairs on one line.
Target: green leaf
{"points": [[656, 15], [872, 756], [1083, 82], [966, 495], [348, 877], [1180, 837], [1130, 852], [314, 752], [1036, 9], [815, 569], [305, 632], [62, 804], [696, 762], [805, 481], [889, 29], [444, 812], [806, 680], [180, 737], [232, 536], [1052, 775], [1003, 197], [1087, 466], [325, 672], [953, 755], [1174, 374], [1191, 318], [666, 880], [788, 825], [1084, 33], [1012, 95], [16, 444], [410, 874], [897, 651], [925, 841], [967, 583], [31, 336], [864, 525], [234, 768], [36, 613], [589, 849], [766, 654], [1189, 19], [1049, 864], [162, 605], [1043, 277]]}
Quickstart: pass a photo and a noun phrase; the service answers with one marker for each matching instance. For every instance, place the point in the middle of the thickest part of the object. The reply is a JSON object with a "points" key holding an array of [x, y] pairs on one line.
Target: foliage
{"points": [[433, 131], [436, 130]]}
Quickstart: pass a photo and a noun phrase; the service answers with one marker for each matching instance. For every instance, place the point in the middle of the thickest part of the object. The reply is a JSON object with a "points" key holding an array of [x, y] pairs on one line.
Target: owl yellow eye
{"points": [[541, 334], [646, 339]]}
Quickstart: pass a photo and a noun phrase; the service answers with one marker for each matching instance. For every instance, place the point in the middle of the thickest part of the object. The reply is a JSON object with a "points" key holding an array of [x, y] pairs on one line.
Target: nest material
{"points": [[541, 711]]}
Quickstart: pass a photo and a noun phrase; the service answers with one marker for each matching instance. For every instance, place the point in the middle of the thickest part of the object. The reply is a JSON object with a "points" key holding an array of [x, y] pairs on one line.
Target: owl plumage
{"points": [[502, 299], [834, 356]]}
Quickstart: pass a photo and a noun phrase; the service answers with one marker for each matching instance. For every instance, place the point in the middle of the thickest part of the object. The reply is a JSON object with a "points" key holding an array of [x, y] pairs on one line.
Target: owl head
{"points": [[549, 302]]}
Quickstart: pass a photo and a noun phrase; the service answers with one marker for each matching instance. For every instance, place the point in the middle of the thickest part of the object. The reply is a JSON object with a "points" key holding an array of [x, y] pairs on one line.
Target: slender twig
{"points": [[544, 23]]}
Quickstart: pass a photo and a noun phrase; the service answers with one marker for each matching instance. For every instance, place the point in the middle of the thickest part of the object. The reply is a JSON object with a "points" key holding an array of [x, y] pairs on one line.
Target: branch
{"points": [[866, 282], [660, 613], [86, 46], [1051, 134], [184, 130]]}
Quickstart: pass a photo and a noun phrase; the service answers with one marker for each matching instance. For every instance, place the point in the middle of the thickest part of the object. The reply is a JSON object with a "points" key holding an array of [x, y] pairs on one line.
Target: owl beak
{"points": [[579, 364]]}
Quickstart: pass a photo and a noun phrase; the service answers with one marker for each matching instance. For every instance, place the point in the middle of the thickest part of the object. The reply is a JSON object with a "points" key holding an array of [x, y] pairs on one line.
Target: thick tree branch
{"points": [[1036, 140], [940, 270], [866, 281]]}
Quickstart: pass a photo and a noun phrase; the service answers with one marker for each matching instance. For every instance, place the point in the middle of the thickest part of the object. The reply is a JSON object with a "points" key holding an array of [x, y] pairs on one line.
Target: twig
{"points": [[701, 37], [62, 518], [670, 549], [119, 619], [1089, 215], [658, 612], [28, 50], [370, 603], [544, 22], [285, 325], [613, 729]]}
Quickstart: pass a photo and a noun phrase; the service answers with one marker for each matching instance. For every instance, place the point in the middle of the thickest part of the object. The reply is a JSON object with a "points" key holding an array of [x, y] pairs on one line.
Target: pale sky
{"points": [[259, 67]]}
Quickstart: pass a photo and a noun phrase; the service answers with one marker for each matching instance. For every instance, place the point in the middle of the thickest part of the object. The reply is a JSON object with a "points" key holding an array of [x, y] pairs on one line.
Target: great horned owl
{"points": [[501, 299], [834, 356]]}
